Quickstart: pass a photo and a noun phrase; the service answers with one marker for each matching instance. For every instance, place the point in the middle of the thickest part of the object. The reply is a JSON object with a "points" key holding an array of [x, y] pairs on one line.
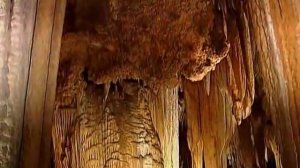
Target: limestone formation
{"points": [[150, 83]]}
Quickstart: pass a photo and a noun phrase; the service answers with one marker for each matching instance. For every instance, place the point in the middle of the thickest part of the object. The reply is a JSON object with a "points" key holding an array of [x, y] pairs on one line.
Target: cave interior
{"points": [[150, 84]]}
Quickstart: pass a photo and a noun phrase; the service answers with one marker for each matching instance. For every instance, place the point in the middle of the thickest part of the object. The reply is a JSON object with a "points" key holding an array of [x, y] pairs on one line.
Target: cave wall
{"points": [[16, 30], [30, 33], [41, 85], [268, 36], [274, 29]]}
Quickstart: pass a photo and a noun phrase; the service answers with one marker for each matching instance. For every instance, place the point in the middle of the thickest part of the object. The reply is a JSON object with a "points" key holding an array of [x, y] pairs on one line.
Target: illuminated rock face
{"points": [[157, 83], [96, 126], [155, 40], [16, 30]]}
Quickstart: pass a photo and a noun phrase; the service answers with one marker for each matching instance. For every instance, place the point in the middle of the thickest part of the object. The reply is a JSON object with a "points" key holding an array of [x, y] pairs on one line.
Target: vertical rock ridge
{"points": [[165, 116], [5, 106], [209, 118], [218, 104], [274, 43], [16, 29]]}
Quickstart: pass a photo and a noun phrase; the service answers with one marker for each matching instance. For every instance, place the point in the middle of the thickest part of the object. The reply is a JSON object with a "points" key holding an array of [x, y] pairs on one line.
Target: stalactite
{"points": [[118, 133], [193, 119], [245, 38], [179, 38], [274, 43], [122, 63], [164, 111], [228, 91], [210, 120], [243, 146]]}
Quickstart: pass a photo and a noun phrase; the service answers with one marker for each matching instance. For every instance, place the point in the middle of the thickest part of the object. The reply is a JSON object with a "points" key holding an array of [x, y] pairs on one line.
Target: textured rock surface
{"points": [[139, 84], [15, 45], [210, 117], [122, 126], [164, 107], [259, 42], [274, 34], [152, 40]]}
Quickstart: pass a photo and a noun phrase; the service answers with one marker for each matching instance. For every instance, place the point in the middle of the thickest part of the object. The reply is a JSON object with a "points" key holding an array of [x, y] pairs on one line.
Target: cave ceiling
{"points": [[157, 41]]}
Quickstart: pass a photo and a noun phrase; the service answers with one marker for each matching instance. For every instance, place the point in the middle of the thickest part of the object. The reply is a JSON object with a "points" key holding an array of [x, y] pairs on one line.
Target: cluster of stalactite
{"points": [[122, 124], [263, 43], [241, 113]]}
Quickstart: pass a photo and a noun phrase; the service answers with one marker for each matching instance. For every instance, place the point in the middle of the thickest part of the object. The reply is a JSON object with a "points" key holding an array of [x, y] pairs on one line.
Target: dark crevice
{"points": [[184, 151], [203, 161], [271, 163]]}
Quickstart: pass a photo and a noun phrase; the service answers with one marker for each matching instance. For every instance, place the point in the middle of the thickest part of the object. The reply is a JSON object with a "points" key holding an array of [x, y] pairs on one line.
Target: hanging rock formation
{"points": [[112, 130], [151, 40]]}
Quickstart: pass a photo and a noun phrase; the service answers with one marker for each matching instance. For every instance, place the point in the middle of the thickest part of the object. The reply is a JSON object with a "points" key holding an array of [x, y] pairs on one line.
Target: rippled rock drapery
{"points": [[114, 130], [278, 48]]}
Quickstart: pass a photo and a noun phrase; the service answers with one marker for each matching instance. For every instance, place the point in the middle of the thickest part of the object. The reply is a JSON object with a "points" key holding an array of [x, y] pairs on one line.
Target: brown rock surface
{"points": [[179, 47], [150, 83], [152, 40]]}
